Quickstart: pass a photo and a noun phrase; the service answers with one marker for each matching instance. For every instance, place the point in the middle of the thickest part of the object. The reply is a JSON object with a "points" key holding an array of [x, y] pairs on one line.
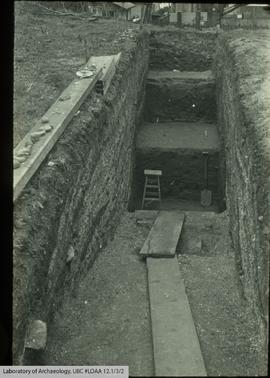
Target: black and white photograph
{"points": [[141, 189]]}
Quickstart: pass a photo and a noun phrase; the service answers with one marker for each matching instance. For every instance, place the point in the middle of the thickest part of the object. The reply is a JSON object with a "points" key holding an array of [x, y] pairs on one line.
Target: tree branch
{"points": [[58, 13]]}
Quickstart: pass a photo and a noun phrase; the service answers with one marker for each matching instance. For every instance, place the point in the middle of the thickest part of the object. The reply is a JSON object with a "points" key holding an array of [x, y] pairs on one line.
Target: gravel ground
{"points": [[108, 322], [229, 334]]}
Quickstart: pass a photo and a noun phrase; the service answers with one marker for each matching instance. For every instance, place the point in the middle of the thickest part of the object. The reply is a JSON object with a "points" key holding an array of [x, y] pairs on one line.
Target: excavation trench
{"points": [[160, 112], [179, 126]]}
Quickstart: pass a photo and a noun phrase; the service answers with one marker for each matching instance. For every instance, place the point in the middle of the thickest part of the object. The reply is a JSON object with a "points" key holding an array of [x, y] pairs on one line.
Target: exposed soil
{"points": [[175, 204], [108, 322], [228, 332], [49, 49], [243, 93], [176, 74], [178, 136], [76, 200]]}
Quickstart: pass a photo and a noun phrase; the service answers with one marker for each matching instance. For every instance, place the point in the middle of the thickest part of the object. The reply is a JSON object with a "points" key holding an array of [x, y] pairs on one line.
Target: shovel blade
{"points": [[206, 197]]}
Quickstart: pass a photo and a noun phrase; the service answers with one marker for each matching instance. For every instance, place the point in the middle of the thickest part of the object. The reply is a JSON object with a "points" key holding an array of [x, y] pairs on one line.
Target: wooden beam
{"points": [[164, 235], [176, 345], [58, 117]]}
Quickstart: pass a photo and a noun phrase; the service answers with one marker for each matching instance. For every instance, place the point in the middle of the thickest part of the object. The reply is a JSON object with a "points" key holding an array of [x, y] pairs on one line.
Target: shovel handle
{"points": [[205, 154]]}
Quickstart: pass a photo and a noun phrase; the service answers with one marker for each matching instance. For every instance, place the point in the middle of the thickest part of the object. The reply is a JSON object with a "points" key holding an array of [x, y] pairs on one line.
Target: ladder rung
{"points": [[152, 172], [151, 186], [152, 193]]}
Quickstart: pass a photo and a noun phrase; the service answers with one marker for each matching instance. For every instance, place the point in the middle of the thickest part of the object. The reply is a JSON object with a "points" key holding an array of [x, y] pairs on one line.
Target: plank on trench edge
{"points": [[59, 115]]}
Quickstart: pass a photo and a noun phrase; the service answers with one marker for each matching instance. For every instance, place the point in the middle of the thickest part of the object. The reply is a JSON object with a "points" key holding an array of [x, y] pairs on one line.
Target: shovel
{"points": [[206, 195]]}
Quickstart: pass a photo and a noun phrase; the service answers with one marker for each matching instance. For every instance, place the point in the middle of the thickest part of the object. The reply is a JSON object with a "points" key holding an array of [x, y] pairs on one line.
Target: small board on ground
{"points": [[164, 235]]}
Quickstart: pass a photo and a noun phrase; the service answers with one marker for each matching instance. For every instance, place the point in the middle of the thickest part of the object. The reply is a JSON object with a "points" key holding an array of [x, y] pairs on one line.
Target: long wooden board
{"points": [[59, 115], [163, 236], [176, 346]]}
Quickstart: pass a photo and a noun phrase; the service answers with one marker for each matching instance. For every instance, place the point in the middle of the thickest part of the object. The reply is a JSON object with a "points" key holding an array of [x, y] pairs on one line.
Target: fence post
{"points": [[198, 20], [179, 19]]}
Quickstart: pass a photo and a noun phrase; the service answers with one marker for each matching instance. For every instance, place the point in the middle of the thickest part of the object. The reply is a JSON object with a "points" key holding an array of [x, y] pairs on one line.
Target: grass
{"points": [[49, 49]]}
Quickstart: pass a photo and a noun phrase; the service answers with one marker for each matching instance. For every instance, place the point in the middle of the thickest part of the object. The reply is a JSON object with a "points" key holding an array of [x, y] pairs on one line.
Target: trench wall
{"points": [[182, 173], [169, 97], [172, 100], [70, 209], [243, 98], [184, 50]]}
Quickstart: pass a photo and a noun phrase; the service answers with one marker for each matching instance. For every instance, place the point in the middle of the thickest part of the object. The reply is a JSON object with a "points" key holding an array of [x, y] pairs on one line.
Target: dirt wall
{"points": [[182, 173], [71, 207], [185, 100], [242, 80], [184, 50]]}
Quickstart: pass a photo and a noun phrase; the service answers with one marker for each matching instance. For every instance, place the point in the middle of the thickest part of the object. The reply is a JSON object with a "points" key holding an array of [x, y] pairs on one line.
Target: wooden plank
{"points": [[108, 64], [163, 236], [152, 172], [145, 221], [59, 115], [176, 346]]}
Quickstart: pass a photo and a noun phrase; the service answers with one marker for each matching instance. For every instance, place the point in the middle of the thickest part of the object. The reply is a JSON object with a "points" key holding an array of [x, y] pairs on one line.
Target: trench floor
{"points": [[186, 205], [180, 75], [177, 204], [178, 136], [108, 321]]}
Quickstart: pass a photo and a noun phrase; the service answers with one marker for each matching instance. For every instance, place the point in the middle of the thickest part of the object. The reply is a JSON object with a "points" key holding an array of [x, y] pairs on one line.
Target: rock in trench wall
{"points": [[243, 98], [184, 50], [69, 210]]}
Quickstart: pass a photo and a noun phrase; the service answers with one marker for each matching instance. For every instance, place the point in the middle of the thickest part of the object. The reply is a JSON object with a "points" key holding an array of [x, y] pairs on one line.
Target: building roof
{"points": [[125, 5]]}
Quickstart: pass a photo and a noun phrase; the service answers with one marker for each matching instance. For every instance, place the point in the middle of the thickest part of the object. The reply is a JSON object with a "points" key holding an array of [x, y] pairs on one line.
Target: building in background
{"points": [[246, 11], [196, 14], [118, 10], [196, 7], [136, 11], [122, 10], [157, 6]]}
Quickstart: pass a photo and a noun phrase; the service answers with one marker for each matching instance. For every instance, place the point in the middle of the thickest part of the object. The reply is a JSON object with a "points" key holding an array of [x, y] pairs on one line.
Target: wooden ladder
{"points": [[151, 190]]}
